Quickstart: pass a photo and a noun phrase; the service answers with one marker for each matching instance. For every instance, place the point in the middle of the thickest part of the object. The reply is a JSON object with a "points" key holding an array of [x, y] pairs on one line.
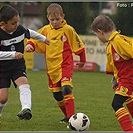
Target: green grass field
{"points": [[93, 96]]}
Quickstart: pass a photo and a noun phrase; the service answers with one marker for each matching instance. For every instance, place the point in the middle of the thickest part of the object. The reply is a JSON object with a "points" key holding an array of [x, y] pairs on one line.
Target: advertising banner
{"points": [[95, 54]]}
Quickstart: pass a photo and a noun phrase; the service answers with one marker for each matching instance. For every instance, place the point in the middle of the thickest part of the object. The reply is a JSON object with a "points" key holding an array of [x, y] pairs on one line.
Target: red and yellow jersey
{"points": [[120, 58], [63, 42]]}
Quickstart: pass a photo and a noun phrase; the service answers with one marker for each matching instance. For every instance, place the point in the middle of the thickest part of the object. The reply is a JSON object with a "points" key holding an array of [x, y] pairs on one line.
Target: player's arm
{"points": [[36, 45], [82, 56], [33, 45], [10, 55], [78, 48], [38, 36], [29, 47]]}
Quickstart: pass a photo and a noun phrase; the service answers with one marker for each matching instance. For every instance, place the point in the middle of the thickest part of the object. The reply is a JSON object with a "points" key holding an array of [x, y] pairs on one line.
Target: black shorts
{"points": [[7, 77]]}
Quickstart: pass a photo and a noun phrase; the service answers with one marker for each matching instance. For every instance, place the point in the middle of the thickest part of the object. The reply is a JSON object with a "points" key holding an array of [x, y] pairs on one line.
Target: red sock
{"points": [[124, 120], [61, 105], [63, 109], [129, 104], [69, 105]]}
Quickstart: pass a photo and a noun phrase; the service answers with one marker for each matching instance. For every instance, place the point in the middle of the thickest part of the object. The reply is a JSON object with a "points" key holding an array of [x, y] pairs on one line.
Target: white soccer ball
{"points": [[79, 122]]}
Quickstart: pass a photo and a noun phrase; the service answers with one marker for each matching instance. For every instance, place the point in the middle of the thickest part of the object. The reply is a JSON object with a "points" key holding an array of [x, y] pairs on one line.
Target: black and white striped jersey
{"points": [[11, 43]]}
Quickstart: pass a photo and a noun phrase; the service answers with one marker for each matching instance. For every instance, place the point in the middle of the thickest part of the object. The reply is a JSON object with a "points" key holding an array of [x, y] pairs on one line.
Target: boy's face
{"points": [[11, 25], [100, 36], [55, 20]]}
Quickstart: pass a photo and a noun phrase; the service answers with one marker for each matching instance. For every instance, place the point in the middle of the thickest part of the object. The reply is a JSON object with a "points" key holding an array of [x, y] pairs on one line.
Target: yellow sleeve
{"points": [[124, 46], [109, 62], [109, 68], [75, 41]]}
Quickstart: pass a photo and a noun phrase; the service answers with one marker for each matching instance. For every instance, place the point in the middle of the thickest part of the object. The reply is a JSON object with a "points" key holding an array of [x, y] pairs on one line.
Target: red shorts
{"points": [[124, 89]]}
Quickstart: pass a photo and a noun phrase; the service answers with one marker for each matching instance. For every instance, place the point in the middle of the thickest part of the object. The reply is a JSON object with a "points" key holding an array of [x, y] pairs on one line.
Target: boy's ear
{"points": [[2, 23], [63, 16], [100, 31]]}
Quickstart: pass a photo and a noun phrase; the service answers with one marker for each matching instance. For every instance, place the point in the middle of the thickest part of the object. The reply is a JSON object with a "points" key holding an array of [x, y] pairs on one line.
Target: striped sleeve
{"points": [[7, 55], [37, 36]]}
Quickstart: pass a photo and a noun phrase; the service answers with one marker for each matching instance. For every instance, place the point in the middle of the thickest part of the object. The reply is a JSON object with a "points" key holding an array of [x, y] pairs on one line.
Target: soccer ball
{"points": [[79, 122]]}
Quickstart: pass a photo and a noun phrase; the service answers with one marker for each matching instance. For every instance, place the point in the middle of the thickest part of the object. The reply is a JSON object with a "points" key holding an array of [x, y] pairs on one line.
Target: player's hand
{"points": [[80, 65], [47, 41], [114, 83], [114, 86], [18, 55], [29, 48]]}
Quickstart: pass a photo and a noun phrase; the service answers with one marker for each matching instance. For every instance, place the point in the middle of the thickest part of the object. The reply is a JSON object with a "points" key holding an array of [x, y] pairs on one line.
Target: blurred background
{"points": [[79, 15]]}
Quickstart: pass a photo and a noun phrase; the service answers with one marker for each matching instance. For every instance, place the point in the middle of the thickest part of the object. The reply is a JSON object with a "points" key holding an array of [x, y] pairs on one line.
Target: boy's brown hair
{"points": [[102, 22], [7, 12], [54, 9]]}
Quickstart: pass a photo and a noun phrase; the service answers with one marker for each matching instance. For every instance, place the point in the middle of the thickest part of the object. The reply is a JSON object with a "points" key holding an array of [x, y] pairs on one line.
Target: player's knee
{"points": [[3, 100], [118, 101], [58, 96], [116, 105], [66, 89]]}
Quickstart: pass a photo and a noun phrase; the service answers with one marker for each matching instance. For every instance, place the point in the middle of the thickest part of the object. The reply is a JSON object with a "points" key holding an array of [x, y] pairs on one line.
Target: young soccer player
{"points": [[12, 63], [59, 59], [119, 51]]}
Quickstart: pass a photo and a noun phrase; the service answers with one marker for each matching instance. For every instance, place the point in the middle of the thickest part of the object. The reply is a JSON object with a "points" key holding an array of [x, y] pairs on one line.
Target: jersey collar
{"points": [[62, 24]]}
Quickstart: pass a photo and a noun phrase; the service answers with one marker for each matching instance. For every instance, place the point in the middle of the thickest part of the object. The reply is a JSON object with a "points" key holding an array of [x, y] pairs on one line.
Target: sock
{"points": [[129, 104], [124, 120], [1, 108], [61, 105], [69, 105], [25, 96]]}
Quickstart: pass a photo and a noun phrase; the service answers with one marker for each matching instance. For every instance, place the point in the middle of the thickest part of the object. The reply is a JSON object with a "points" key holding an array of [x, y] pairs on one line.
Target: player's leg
{"points": [[3, 98], [61, 103], [69, 98], [65, 103], [21, 81], [67, 86], [129, 104], [57, 94], [4, 85], [121, 113], [64, 97]]}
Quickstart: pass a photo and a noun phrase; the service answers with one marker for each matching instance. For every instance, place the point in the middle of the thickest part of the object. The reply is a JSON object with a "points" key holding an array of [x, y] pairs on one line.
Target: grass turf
{"points": [[93, 96]]}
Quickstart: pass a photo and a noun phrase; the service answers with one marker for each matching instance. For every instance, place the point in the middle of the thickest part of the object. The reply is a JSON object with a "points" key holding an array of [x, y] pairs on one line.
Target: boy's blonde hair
{"points": [[102, 22], [54, 9]]}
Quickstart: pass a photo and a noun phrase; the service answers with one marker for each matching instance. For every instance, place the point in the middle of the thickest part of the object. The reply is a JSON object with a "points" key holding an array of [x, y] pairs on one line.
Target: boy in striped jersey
{"points": [[12, 63]]}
